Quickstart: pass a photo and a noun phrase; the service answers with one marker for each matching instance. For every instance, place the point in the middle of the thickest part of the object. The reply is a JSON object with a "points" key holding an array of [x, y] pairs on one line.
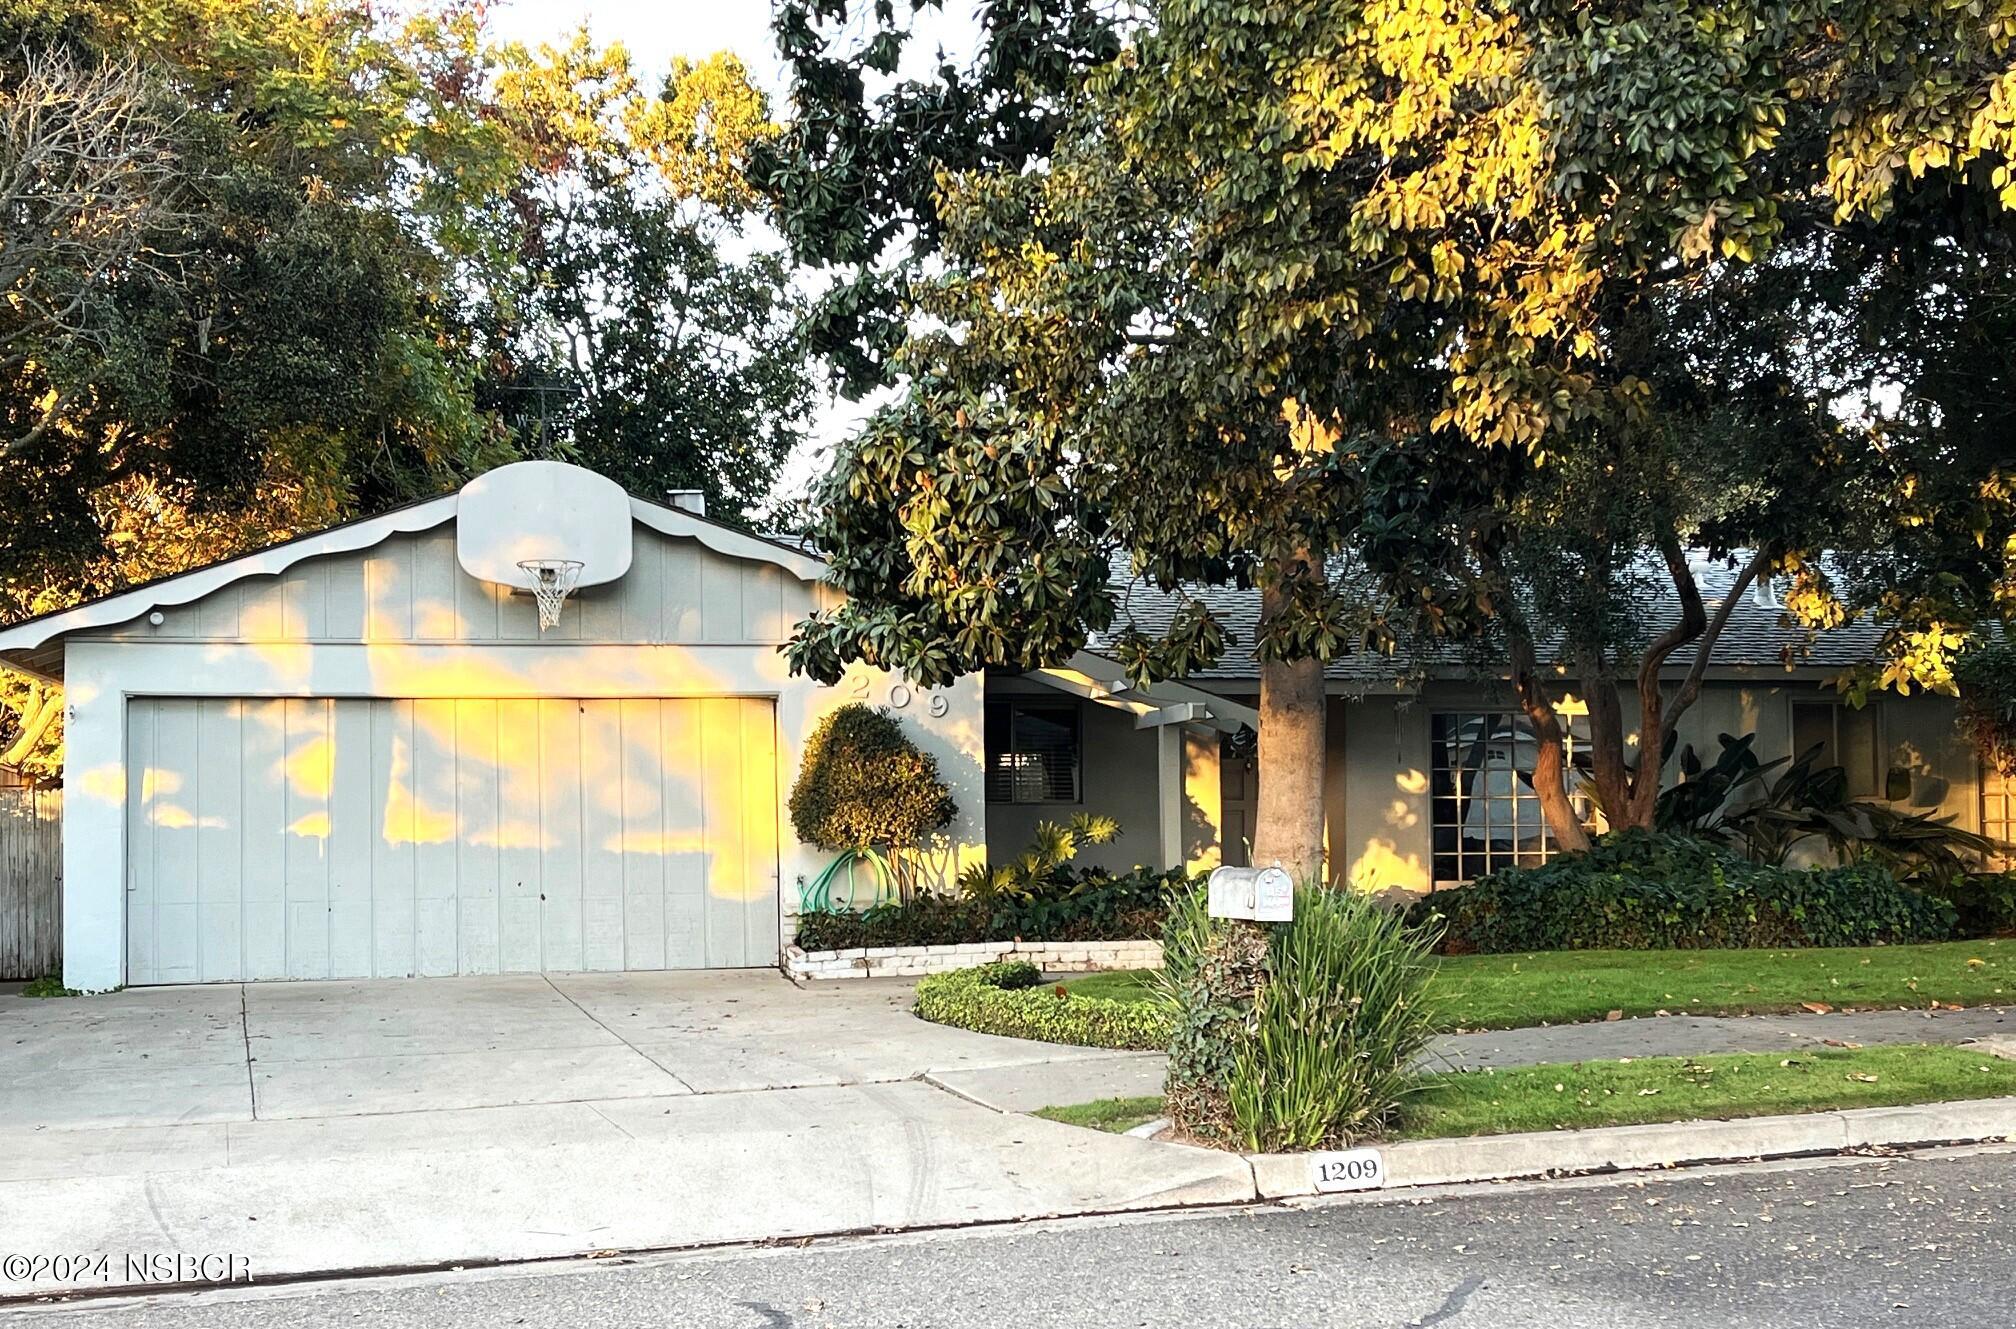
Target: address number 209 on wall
{"points": [[898, 696]]}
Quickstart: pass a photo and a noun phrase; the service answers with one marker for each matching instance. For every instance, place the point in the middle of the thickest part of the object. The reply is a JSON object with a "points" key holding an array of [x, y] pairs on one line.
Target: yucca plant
{"points": [[1301, 1035], [1337, 1027]]}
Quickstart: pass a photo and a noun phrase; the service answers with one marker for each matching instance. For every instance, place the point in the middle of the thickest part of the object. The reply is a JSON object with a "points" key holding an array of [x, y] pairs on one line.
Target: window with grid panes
{"points": [[1998, 805], [1486, 814], [1032, 752]]}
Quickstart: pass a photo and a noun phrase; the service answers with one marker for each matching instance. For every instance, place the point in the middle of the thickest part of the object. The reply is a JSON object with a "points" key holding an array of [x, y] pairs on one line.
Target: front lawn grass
{"points": [[1579, 1095], [1563, 987], [1758, 1084], [1106, 1114], [1116, 985]]}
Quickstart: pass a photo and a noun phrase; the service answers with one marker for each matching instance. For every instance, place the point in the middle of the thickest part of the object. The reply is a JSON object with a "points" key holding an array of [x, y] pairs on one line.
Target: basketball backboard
{"points": [[542, 510]]}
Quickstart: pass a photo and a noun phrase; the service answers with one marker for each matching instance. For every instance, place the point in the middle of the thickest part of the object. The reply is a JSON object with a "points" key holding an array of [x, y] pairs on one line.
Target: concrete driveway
{"points": [[274, 1051], [315, 1127]]}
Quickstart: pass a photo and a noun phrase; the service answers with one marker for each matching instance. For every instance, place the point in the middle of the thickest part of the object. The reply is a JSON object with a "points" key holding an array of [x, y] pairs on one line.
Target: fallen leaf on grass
{"points": [[1614, 1015], [1647, 1093], [1817, 1007], [1861, 1078]]}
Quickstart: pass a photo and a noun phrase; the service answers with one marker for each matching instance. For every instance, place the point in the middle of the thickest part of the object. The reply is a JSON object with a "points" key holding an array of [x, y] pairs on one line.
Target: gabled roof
{"points": [[29, 644], [1758, 635]]}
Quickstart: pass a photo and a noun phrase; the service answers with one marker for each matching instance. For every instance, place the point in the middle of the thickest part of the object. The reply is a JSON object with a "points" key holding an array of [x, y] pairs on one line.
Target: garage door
{"points": [[336, 838]]}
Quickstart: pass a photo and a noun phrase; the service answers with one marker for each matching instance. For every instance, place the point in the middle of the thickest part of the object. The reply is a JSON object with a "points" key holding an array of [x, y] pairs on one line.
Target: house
{"points": [[1423, 784], [362, 753]]}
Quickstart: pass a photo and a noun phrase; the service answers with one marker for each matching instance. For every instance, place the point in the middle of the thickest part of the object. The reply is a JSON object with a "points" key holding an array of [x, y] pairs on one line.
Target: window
{"points": [[1998, 804], [1846, 738], [1486, 813], [1032, 752]]}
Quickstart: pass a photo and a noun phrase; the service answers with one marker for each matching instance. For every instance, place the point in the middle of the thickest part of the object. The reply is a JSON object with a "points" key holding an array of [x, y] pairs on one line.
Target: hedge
{"points": [[1009, 998], [1092, 905], [1650, 890]]}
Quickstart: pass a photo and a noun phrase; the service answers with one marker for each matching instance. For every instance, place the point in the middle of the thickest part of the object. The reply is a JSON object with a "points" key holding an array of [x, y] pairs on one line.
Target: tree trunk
{"points": [[1288, 827], [1550, 757], [44, 704]]}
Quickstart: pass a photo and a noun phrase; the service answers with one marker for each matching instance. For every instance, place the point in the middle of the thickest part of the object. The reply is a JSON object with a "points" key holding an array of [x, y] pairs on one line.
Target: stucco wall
{"points": [[1118, 780], [1386, 839]]}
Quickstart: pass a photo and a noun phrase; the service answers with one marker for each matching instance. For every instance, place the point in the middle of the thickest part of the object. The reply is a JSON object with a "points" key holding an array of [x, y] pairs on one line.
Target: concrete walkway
{"points": [[317, 1127], [1026, 1087]]}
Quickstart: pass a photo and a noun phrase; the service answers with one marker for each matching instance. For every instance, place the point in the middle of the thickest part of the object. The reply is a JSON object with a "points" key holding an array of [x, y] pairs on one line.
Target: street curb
{"points": [[1663, 1145]]}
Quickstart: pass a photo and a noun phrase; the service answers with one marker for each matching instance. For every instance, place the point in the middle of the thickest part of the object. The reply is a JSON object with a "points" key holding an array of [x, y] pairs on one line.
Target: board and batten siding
{"points": [[411, 588], [315, 837], [31, 882]]}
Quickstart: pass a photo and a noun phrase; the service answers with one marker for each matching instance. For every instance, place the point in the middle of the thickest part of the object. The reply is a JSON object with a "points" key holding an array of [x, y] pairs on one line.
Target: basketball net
{"points": [[552, 582]]}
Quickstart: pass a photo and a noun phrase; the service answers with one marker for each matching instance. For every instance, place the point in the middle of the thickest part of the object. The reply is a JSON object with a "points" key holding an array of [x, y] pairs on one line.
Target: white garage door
{"points": [[337, 838]]}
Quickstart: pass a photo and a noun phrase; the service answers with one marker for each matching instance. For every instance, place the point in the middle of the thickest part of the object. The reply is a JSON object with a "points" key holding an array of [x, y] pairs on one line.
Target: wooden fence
{"points": [[31, 883]]}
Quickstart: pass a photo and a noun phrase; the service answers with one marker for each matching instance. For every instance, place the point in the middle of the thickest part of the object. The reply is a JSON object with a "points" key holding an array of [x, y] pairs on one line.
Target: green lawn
{"points": [[1106, 1114], [1649, 1089], [1561, 987], [1622, 1093]]}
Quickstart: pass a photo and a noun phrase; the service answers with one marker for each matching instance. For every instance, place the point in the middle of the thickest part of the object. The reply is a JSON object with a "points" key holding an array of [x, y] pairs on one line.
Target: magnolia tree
{"points": [[1462, 323]]}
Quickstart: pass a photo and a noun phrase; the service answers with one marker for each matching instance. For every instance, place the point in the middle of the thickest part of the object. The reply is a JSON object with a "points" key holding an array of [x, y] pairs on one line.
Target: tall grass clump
{"points": [[1300, 1035]]}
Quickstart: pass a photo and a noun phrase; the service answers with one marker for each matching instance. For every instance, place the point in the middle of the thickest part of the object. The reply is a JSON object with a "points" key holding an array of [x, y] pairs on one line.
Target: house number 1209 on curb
{"points": [[1347, 1170], [900, 696]]}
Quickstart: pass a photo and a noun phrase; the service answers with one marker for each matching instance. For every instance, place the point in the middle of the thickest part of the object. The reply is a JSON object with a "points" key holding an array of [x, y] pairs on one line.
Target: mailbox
{"points": [[1265, 895]]}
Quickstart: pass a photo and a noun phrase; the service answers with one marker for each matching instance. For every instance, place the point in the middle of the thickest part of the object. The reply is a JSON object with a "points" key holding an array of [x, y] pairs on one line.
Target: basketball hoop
{"points": [[552, 582]]}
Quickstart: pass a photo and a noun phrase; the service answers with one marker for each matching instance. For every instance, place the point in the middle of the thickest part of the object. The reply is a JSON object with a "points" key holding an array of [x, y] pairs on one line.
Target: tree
{"points": [[853, 179], [88, 183], [1433, 319], [631, 336], [865, 786], [232, 279], [272, 264]]}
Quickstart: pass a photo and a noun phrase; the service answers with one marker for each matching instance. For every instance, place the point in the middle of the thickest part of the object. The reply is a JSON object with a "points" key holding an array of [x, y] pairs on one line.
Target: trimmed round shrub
{"points": [[1652, 890], [1299, 1035], [864, 785], [1009, 998]]}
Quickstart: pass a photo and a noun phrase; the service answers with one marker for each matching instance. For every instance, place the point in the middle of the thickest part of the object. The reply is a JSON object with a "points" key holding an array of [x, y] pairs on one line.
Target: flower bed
{"points": [[1009, 998]]}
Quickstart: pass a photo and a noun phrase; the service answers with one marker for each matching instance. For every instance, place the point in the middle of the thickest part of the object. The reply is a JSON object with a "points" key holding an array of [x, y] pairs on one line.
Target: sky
{"points": [[654, 31]]}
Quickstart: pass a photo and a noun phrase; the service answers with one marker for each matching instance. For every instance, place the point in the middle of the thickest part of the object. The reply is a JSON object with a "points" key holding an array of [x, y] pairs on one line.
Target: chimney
{"points": [[688, 500]]}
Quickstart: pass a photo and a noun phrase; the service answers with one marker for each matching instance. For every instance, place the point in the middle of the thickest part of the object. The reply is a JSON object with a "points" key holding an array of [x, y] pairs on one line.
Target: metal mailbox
{"points": [[1265, 895]]}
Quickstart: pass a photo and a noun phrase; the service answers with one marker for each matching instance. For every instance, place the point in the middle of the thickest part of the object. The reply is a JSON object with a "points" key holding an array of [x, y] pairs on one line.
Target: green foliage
{"points": [[49, 985], [1337, 1027], [1035, 871], [1985, 902], [1006, 998], [1645, 890], [634, 334], [1092, 906], [1987, 679], [853, 181], [1767, 819], [1357, 288], [1297, 1036], [864, 784]]}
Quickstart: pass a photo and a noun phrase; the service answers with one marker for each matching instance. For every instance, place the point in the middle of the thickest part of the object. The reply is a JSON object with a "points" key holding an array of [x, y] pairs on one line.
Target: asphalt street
{"points": [[1925, 1240]]}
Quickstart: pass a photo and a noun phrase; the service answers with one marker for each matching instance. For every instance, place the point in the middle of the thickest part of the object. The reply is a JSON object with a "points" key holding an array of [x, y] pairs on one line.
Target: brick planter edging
{"points": [[916, 961]]}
